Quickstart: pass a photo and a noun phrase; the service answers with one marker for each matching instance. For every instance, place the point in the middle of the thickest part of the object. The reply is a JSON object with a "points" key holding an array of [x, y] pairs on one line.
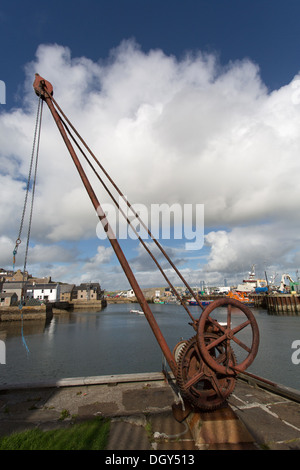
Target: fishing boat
{"points": [[192, 302], [203, 303], [241, 296], [251, 282]]}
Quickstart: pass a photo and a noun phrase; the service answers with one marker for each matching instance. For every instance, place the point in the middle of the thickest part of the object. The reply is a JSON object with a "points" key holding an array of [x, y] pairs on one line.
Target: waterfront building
{"points": [[8, 299], [87, 291], [44, 292]]}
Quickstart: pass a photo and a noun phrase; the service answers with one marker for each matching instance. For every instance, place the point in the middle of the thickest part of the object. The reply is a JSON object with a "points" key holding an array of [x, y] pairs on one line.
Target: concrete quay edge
{"points": [[278, 389], [89, 380]]}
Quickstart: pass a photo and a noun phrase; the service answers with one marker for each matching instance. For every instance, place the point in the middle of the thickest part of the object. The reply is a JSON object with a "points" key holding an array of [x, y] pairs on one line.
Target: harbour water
{"points": [[116, 341]]}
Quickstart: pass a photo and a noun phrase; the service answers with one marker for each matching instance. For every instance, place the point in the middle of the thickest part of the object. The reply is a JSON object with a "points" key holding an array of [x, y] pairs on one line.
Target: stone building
{"points": [[87, 291]]}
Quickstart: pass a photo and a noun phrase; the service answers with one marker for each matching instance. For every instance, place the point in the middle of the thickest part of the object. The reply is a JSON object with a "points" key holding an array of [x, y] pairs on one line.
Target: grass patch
{"points": [[64, 415], [87, 435]]}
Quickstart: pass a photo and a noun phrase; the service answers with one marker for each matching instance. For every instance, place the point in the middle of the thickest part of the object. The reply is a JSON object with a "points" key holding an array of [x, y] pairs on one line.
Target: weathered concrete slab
{"points": [[147, 398], [273, 421]]}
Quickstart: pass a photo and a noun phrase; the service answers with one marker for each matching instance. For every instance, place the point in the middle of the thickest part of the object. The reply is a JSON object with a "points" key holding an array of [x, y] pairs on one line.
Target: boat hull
{"points": [[203, 303]]}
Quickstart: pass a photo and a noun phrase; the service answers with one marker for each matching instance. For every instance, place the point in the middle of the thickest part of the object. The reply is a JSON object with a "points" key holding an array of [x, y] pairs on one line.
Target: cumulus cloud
{"points": [[168, 131]]}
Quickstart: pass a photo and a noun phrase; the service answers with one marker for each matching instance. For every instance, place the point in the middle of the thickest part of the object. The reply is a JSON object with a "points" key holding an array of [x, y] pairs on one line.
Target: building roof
{"points": [[13, 284], [50, 285], [88, 285], [66, 288]]}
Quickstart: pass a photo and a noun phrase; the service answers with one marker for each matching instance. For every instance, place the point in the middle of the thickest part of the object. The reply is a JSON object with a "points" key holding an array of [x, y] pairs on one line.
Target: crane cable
{"points": [[35, 152]]}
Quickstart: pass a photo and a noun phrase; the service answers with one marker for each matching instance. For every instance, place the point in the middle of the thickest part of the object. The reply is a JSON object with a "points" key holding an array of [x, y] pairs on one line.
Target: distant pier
{"points": [[283, 304], [46, 311], [277, 304]]}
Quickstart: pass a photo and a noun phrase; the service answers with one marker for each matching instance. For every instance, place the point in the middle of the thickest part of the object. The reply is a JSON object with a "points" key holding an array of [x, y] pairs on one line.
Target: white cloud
{"points": [[269, 246], [93, 268], [167, 131], [102, 256]]}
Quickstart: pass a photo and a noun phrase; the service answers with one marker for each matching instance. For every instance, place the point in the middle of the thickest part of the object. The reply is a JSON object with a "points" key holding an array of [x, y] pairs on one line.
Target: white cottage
{"points": [[46, 292], [130, 293]]}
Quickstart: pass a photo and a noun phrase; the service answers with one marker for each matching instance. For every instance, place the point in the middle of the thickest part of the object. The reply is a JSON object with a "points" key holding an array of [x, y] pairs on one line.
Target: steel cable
{"points": [[35, 152]]}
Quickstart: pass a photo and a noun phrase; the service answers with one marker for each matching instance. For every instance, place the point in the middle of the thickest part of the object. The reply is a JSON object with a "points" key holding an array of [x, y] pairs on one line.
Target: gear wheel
{"points": [[204, 388], [247, 347]]}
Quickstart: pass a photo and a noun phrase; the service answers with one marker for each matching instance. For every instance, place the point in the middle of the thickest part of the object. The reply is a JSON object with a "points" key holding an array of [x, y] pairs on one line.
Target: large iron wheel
{"points": [[226, 333], [204, 388]]}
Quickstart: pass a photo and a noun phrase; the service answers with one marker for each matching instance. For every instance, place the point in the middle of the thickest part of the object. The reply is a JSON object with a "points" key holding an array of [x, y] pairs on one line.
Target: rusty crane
{"points": [[205, 366]]}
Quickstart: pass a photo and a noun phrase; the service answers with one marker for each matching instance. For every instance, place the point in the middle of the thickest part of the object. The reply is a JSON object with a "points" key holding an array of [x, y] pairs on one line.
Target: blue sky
{"points": [[193, 102], [266, 31]]}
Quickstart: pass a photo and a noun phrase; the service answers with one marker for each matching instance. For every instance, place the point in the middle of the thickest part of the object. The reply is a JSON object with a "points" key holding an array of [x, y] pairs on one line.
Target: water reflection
{"points": [[115, 341]]}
